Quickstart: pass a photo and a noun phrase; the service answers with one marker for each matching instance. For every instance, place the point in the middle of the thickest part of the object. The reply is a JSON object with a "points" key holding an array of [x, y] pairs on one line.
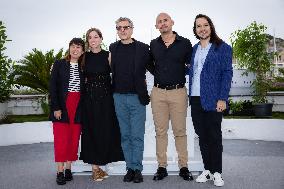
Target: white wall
{"points": [[25, 104]]}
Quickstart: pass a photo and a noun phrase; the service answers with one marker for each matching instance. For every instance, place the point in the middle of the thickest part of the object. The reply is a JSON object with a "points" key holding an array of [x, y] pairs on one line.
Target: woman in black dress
{"points": [[100, 139]]}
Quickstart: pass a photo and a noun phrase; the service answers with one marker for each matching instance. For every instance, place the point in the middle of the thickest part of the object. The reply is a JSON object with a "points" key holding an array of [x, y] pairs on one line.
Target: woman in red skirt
{"points": [[65, 86]]}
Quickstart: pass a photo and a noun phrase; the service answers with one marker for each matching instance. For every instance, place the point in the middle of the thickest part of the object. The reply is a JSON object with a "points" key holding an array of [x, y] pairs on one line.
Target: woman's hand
{"points": [[57, 114], [221, 106]]}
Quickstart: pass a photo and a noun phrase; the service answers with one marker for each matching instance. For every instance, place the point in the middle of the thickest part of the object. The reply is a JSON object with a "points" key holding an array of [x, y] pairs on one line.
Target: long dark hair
{"points": [[213, 37], [76, 41], [87, 44]]}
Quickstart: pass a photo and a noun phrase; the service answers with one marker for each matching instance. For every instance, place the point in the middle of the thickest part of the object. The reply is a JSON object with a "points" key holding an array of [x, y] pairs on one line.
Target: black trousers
{"points": [[207, 125]]}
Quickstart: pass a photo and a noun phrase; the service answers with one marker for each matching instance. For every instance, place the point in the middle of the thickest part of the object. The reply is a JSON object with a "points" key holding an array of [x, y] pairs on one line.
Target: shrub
{"points": [[240, 108], [6, 65]]}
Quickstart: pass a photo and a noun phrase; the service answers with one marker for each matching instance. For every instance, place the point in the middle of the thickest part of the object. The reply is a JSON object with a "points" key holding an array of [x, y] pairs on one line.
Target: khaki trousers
{"points": [[170, 105]]}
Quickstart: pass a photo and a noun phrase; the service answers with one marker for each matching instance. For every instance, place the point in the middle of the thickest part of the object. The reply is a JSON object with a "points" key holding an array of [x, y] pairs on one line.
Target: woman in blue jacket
{"points": [[210, 76]]}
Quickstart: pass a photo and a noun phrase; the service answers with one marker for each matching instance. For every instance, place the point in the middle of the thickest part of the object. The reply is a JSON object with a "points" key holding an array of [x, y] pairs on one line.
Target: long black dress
{"points": [[100, 139]]}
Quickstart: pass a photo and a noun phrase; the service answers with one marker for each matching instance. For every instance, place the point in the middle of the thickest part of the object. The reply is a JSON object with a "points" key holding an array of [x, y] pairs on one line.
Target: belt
{"points": [[169, 87]]}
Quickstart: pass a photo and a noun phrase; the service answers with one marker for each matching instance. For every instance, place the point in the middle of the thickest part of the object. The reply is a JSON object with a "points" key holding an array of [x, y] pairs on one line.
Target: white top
{"points": [[199, 60], [74, 80]]}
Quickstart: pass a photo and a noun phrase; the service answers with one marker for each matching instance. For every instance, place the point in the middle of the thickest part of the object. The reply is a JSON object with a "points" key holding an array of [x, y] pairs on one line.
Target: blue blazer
{"points": [[216, 75]]}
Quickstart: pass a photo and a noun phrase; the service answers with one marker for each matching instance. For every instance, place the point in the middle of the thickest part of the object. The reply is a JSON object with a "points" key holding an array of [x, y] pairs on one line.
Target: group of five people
{"points": [[103, 96]]}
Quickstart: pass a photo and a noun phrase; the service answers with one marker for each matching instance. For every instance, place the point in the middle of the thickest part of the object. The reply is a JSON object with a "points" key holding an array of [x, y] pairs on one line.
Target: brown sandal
{"points": [[97, 175], [103, 173]]}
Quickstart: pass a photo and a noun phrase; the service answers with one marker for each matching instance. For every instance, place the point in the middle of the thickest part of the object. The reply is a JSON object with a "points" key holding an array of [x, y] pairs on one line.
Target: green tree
{"points": [[6, 65], [250, 50], [34, 70]]}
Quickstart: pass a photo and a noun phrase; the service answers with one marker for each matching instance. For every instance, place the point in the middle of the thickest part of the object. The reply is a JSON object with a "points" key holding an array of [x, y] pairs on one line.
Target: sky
{"points": [[51, 24]]}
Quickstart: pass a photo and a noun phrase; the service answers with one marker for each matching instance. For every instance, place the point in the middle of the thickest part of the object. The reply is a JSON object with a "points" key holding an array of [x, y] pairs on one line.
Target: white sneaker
{"points": [[205, 176], [218, 180]]}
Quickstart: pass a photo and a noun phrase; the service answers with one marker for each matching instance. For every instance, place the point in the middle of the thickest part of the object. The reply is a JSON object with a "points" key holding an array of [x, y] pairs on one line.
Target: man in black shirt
{"points": [[169, 99], [128, 62]]}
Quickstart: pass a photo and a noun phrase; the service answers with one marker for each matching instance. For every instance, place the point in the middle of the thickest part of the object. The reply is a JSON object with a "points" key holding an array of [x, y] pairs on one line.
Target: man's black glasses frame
{"points": [[118, 28]]}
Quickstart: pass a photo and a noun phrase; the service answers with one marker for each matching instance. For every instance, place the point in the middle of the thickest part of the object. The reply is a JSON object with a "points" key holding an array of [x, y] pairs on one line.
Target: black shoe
{"points": [[160, 174], [68, 175], [129, 176], [185, 174], [137, 176], [60, 179]]}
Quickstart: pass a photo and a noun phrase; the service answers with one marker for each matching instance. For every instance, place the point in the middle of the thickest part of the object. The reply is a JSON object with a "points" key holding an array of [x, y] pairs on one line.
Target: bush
{"points": [[278, 83], [45, 106], [25, 92], [240, 108], [6, 66], [277, 88]]}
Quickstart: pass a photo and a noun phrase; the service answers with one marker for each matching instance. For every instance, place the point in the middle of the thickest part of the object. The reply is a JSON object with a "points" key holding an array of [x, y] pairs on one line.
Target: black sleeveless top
{"points": [[97, 74]]}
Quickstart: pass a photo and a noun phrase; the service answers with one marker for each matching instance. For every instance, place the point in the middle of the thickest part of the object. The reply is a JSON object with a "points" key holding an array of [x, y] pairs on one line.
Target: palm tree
{"points": [[34, 70]]}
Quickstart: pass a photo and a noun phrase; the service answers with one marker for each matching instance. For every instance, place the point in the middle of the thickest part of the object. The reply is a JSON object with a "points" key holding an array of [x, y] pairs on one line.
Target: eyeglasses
{"points": [[118, 28]]}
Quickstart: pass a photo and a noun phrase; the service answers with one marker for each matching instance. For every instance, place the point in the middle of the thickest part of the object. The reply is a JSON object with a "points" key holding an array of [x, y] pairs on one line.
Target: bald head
{"points": [[163, 15], [164, 23]]}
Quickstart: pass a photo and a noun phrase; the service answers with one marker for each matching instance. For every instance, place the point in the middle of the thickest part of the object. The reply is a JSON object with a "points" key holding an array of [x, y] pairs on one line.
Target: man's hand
{"points": [[221, 106], [144, 99]]}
